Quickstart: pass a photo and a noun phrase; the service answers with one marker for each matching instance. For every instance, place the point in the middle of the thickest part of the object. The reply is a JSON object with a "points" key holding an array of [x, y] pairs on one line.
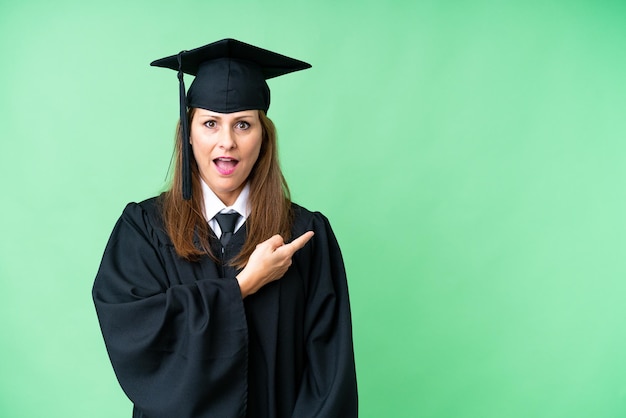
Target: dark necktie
{"points": [[227, 222]]}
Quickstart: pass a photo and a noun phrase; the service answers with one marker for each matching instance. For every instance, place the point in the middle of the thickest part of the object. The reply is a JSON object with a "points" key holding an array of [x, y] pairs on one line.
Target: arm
{"points": [[177, 350], [328, 387]]}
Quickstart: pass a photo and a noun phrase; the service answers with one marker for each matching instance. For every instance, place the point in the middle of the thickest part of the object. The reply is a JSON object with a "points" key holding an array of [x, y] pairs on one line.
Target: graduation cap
{"points": [[229, 77]]}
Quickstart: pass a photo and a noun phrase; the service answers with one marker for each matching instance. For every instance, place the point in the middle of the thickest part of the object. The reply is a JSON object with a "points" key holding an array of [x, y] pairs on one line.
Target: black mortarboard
{"points": [[230, 77]]}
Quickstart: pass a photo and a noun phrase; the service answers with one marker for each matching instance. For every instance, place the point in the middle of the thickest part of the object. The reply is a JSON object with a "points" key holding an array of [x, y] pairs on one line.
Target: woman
{"points": [[205, 309]]}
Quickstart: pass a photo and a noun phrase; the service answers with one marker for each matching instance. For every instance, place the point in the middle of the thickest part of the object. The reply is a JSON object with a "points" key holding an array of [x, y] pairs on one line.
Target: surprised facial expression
{"points": [[226, 146]]}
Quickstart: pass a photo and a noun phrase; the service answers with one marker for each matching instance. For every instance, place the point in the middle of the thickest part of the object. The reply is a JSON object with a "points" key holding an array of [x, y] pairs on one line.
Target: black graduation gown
{"points": [[183, 343]]}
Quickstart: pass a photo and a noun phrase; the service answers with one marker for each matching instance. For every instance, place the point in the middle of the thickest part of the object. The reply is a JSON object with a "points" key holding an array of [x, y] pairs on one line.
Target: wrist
{"points": [[244, 284]]}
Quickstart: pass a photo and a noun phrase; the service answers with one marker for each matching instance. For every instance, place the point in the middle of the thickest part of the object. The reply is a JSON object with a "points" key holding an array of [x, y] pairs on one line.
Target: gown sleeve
{"points": [[178, 349], [328, 388]]}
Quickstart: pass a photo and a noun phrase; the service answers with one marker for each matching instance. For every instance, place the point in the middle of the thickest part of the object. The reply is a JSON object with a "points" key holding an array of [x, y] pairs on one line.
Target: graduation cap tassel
{"points": [[185, 130]]}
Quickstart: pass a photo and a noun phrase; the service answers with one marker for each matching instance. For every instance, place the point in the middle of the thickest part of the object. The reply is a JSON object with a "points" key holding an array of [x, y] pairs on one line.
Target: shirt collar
{"points": [[213, 205]]}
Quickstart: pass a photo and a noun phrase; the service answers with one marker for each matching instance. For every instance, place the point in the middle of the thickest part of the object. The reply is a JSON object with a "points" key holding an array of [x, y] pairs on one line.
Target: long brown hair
{"points": [[270, 202]]}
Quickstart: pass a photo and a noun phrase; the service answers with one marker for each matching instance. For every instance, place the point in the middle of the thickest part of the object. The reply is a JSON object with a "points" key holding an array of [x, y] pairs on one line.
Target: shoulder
{"points": [[145, 217], [149, 209], [307, 220], [152, 207], [323, 249]]}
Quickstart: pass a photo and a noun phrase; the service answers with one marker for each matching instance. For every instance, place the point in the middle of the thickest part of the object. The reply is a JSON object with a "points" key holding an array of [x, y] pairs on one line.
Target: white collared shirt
{"points": [[213, 205]]}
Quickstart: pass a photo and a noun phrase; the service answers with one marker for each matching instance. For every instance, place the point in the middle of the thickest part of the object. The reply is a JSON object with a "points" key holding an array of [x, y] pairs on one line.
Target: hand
{"points": [[268, 262]]}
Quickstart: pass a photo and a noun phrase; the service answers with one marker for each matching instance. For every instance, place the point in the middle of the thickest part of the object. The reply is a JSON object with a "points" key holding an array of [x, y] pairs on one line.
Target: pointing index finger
{"points": [[299, 242]]}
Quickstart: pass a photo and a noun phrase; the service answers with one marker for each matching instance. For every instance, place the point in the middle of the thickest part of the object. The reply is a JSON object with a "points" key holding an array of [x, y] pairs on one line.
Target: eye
{"points": [[242, 124], [210, 124]]}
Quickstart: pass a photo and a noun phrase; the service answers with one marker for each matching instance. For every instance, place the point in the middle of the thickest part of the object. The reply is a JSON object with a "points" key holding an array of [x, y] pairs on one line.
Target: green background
{"points": [[469, 154]]}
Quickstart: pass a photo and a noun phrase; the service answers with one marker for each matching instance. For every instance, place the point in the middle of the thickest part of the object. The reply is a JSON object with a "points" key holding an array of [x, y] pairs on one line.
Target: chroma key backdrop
{"points": [[470, 155]]}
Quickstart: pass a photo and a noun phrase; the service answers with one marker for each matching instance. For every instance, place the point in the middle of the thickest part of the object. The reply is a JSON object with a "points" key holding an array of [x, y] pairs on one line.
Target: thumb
{"points": [[275, 241]]}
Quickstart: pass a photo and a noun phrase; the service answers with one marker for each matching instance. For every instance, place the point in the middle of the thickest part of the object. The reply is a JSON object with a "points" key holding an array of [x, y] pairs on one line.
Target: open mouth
{"points": [[225, 165]]}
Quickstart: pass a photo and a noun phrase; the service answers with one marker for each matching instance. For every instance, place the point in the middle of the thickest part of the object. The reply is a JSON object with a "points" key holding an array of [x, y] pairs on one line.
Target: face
{"points": [[226, 147]]}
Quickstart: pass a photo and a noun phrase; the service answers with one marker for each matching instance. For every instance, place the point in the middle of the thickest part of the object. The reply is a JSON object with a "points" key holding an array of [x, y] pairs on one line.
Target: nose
{"points": [[226, 139]]}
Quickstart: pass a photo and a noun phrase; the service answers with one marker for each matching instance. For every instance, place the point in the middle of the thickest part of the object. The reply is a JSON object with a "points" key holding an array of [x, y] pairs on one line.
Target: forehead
{"points": [[227, 116]]}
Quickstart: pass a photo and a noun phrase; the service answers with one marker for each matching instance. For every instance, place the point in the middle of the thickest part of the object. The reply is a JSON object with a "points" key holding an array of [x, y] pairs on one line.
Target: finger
{"points": [[299, 242]]}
